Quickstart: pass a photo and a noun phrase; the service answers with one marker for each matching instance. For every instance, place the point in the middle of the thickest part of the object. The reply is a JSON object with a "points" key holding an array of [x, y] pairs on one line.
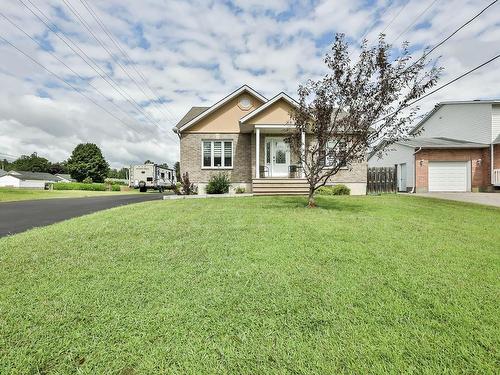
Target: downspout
{"points": [[492, 167], [413, 190]]}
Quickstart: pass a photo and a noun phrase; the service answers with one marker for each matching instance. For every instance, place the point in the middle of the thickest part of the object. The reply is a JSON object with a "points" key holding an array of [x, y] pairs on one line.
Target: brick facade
{"points": [[191, 151], [479, 161]]}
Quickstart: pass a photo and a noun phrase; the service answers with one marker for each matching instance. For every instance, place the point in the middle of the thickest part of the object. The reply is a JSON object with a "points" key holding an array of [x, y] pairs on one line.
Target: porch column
{"points": [[257, 153], [303, 151]]}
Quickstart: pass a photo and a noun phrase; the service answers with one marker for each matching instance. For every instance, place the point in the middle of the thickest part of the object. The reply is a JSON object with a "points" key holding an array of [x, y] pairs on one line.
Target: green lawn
{"points": [[388, 284], [12, 194]]}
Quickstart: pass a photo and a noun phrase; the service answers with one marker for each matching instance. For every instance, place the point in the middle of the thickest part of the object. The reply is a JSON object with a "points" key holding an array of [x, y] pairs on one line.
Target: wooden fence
{"points": [[382, 180]]}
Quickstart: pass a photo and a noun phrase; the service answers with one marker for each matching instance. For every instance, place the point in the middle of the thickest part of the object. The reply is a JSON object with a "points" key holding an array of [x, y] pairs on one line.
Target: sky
{"points": [[144, 63]]}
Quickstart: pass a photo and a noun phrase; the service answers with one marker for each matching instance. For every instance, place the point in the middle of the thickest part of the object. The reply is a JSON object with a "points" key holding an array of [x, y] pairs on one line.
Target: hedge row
{"points": [[83, 186]]}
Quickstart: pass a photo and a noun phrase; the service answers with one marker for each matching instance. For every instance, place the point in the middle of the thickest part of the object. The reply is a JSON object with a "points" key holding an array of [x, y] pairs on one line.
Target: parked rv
{"points": [[151, 176]]}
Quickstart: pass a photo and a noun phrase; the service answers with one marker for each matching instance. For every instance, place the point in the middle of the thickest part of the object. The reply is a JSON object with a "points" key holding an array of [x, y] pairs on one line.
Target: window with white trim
{"points": [[339, 149], [217, 154]]}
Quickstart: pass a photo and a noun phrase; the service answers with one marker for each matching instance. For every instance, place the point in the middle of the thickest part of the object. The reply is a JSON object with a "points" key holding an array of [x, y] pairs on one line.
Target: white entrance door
{"points": [[402, 177], [278, 157], [448, 176]]}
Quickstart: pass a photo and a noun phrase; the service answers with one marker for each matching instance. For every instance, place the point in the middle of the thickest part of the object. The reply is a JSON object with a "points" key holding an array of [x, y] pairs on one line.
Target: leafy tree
{"points": [[118, 173], [354, 105], [163, 165], [5, 165], [30, 163], [57, 168], [177, 168], [149, 162], [86, 161]]}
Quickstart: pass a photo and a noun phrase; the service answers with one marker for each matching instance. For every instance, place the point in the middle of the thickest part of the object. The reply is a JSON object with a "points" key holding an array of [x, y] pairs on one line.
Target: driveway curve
{"points": [[19, 216]]}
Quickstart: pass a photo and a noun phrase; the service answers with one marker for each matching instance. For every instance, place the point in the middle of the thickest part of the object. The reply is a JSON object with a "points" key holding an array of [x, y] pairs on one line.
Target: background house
{"points": [[457, 149], [29, 180]]}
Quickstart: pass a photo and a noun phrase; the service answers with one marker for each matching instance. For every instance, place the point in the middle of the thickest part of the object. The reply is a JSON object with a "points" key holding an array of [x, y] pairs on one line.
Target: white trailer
{"points": [[151, 176]]}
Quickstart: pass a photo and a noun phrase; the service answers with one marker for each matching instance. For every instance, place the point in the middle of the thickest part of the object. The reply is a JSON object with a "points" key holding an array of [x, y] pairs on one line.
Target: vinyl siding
{"points": [[470, 122], [396, 154], [495, 123]]}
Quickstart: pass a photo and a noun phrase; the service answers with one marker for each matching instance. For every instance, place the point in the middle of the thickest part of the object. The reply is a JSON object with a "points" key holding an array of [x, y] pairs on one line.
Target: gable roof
{"points": [[192, 113], [65, 176], [41, 176], [269, 103], [2, 172], [220, 103], [441, 142], [441, 104]]}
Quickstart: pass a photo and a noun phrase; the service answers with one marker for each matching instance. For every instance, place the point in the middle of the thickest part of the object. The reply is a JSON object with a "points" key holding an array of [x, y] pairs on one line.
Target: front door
{"points": [[279, 155], [402, 177]]}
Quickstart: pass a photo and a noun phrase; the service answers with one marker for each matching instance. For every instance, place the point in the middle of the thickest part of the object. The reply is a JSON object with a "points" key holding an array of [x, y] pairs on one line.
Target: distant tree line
{"points": [[85, 163]]}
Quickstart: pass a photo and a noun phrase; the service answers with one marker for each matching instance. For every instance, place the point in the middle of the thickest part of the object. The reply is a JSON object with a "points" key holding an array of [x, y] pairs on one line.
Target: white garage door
{"points": [[448, 176]]}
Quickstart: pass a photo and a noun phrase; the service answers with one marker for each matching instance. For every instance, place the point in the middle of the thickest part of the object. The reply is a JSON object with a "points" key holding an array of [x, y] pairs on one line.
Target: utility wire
{"points": [[89, 29], [68, 67], [66, 82], [126, 55], [86, 58], [387, 26], [395, 16], [415, 21], [443, 86]]}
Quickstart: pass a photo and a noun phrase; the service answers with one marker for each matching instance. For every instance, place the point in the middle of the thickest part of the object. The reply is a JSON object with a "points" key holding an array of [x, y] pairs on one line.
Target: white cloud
{"points": [[198, 51]]}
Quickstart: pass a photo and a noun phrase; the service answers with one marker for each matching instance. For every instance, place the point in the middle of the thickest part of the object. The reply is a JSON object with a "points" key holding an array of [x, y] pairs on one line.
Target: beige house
{"points": [[244, 134]]}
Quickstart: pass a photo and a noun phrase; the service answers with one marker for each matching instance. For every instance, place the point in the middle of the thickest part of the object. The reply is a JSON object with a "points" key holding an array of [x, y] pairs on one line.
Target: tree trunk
{"points": [[311, 201]]}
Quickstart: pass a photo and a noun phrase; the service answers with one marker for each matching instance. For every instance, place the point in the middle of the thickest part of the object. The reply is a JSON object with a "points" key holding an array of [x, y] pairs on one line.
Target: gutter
{"points": [[413, 190]]}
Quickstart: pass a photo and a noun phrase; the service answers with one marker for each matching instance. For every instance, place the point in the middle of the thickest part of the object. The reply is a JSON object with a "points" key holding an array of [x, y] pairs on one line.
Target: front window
{"points": [[335, 153], [217, 154]]}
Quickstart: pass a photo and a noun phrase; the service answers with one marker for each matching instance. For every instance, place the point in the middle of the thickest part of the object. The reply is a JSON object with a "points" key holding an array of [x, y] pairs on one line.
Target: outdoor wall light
{"points": [[421, 162], [479, 161]]}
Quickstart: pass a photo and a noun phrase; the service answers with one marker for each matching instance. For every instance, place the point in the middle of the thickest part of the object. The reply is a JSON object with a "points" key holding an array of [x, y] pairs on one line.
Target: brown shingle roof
{"points": [[192, 113]]}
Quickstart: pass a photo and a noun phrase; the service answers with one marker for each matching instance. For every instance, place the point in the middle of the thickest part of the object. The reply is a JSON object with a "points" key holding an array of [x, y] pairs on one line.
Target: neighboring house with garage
{"points": [[28, 180], [457, 149], [244, 134]]}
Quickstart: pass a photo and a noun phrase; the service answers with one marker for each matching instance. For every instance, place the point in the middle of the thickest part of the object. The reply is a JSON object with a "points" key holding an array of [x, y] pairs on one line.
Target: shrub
{"points": [[79, 186], [186, 187], [87, 180], [84, 186], [339, 189], [218, 184], [240, 190]]}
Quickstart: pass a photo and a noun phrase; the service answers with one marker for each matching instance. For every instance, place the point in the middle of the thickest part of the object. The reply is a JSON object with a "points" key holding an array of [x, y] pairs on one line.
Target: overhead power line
{"points": [[455, 79], [443, 86], [67, 66], [84, 23], [126, 56], [88, 60], [66, 82], [452, 34], [414, 21]]}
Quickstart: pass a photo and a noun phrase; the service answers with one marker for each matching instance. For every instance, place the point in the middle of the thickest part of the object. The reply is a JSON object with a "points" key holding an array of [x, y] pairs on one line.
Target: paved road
{"points": [[490, 199], [17, 217]]}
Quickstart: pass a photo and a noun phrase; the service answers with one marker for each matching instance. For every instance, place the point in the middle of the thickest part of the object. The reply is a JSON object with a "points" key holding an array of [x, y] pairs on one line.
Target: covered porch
{"points": [[272, 154], [277, 169]]}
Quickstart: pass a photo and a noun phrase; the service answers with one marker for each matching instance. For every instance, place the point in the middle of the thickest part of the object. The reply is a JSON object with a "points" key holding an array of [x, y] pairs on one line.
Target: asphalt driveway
{"points": [[17, 217], [489, 199]]}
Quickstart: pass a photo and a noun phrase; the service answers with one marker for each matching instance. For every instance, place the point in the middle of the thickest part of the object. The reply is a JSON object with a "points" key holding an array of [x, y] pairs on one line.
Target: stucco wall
{"points": [[226, 118], [277, 113]]}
